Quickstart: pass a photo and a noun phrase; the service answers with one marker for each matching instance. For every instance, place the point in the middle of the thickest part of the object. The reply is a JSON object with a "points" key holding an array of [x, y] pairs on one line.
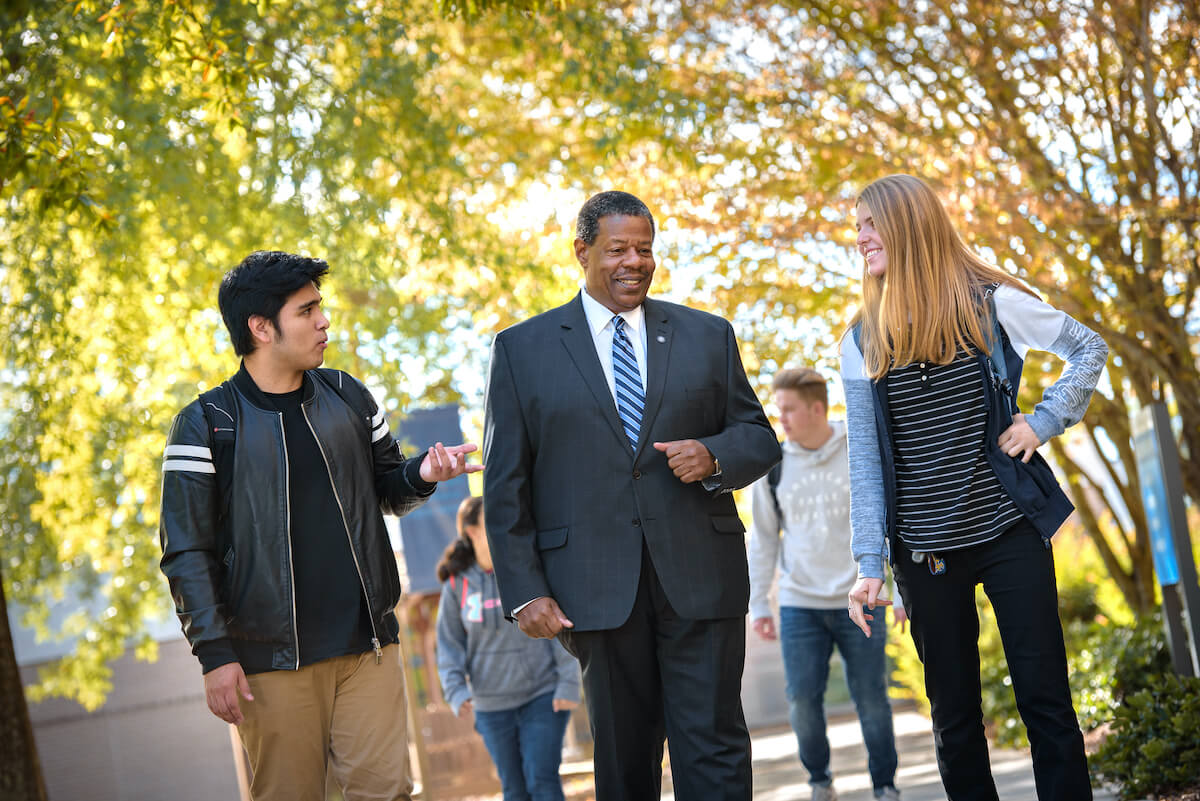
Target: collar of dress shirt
{"points": [[599, 315]]}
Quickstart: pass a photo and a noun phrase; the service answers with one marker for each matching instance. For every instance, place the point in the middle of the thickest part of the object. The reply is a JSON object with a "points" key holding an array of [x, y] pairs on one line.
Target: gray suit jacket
{"points": [[568, 502]]}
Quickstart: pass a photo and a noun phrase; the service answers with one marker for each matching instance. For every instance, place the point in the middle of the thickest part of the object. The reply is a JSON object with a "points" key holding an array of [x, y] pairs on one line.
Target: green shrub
{"points": [[1153, 747], [1113, 662]]}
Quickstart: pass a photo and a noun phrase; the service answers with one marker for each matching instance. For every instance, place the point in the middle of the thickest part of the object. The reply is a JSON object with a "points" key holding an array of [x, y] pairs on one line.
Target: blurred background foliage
{"points": [[436, 152]]}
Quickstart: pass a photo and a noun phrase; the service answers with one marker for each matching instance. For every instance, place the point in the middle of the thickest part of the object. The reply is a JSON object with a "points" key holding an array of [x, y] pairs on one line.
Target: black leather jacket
{"points": [[232, 578]]}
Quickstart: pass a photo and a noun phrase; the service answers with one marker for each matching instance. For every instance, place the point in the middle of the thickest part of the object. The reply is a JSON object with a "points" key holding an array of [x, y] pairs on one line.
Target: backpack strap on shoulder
{"points": [[996, 360], [220, 415], [353, 393], [773, 478]]}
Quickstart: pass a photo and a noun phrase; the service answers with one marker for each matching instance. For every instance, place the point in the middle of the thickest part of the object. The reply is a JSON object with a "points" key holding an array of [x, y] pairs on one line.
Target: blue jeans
{"points": [[807, 637], [526, 744]]}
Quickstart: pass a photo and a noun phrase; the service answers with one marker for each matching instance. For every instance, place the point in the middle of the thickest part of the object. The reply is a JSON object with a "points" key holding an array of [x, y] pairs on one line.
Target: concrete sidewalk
{"points": [[779, 776]]}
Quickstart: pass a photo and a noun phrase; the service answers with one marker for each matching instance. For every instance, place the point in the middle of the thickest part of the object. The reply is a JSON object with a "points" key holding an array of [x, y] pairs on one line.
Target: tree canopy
{"points": [[1061, 134], [152, 145], [435, 153]]}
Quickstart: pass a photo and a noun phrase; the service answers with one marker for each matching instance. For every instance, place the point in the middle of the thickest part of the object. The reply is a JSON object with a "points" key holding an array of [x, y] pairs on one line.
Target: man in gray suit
{"points": [[616, 427]]}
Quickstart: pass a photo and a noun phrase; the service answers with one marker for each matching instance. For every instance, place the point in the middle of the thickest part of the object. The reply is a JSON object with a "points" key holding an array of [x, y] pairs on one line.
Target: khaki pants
{"points": [[346, 715]]}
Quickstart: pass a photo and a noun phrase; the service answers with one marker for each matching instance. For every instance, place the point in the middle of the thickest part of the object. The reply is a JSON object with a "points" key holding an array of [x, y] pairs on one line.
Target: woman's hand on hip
{"points": [[1018, 440]]}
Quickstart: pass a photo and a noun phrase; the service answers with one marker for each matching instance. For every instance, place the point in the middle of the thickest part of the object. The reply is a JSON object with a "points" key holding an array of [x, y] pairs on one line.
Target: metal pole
{"points": [[415, 731], [1162, 495], [241, 765], [1187, 588]]}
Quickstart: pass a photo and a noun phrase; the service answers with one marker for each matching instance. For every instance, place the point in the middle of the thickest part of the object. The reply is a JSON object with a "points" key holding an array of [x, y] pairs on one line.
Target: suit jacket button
{"points": [[637, 473], [637, 522]]}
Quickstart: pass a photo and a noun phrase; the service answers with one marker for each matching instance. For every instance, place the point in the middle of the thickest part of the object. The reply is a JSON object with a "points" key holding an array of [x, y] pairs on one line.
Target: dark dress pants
{"points": [[662, 675], [1017, 572]]}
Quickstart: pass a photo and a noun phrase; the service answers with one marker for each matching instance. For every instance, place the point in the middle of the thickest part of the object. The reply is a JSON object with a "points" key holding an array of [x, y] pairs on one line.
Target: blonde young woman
{"points": [[946, 483]]}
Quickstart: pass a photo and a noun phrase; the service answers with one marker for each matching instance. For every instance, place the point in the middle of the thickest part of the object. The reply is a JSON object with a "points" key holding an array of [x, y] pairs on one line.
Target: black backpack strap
{"points": [[773, 477], [220, 413], [998, 340], [353, 393]]}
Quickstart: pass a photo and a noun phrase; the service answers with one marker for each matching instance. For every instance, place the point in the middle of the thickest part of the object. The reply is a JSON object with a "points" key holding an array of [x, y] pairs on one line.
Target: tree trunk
{"points": [[20, 773]]}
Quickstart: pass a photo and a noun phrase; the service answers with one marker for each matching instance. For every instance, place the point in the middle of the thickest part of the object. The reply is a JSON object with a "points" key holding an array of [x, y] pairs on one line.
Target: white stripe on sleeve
{"points": [[187, 466]]}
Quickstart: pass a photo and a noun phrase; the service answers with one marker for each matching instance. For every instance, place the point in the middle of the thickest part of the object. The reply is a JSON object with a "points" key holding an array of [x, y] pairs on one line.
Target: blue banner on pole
{"points": [[1154, 499]]}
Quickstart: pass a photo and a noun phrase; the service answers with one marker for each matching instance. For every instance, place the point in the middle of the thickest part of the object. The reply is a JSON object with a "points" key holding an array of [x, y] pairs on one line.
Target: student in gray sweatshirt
{"points": [[802, 532], [520, 689]]}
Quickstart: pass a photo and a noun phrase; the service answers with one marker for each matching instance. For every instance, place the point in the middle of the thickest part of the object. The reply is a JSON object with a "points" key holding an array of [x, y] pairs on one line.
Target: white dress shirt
{"points": [[600, 322]]}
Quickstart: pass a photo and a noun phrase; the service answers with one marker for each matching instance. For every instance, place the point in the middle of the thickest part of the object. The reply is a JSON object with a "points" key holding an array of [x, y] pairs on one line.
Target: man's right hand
{"points": [[543, 619], [222, 686], [765, 627]]}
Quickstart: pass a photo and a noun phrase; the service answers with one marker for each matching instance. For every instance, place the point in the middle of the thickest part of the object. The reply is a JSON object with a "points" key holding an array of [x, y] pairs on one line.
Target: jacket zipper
{"points": [[346, 526], [287, 490]]}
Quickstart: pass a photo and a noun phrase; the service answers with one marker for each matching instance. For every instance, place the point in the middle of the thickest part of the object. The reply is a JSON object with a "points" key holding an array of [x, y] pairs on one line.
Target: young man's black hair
{"points": [[261, 285]]}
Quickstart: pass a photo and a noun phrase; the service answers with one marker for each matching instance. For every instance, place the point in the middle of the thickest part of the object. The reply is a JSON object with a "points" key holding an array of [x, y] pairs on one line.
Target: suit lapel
{"points": [[658, 349], [577, 339]]}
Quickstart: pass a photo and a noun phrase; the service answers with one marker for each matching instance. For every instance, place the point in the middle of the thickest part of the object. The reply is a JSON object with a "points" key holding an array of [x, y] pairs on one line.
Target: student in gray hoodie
{"points": [[520, 689], [802, 531]]}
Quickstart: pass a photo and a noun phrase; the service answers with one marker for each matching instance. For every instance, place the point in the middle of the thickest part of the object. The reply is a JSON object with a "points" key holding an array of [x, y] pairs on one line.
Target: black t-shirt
{"points": [[331, 607]]}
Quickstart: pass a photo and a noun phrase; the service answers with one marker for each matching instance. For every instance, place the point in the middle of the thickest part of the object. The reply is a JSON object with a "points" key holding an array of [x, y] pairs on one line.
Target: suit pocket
{"points": [[728, 524], [551, 538]]}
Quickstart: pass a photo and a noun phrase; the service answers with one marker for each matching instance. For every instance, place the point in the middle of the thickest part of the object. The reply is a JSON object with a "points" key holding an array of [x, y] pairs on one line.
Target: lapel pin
{"points": [[661, 338]]}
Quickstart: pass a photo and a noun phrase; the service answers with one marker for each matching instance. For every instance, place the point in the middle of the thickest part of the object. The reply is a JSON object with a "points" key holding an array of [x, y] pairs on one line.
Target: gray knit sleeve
{"points": [[868, 526], [762, 551], [1033, 324]]}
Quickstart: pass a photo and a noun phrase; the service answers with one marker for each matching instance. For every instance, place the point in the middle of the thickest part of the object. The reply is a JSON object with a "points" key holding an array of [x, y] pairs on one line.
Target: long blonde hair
{"points": [[928, 303]]}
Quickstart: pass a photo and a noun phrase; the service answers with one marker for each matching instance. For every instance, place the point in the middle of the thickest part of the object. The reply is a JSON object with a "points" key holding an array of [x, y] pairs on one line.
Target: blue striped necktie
{"points": [[627, 381]]}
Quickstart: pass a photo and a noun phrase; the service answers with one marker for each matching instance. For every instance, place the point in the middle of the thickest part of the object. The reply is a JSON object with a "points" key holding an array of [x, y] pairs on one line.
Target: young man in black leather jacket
{"points": [[281, 570]]}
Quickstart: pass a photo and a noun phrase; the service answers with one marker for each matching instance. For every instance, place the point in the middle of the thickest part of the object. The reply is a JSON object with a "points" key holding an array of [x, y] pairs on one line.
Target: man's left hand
{"points": [[563, 705], [442, 463], [688, 459]]}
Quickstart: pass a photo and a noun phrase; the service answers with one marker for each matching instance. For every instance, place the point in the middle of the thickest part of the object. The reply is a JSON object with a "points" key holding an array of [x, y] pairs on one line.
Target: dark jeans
{"points": [[807, 637], [1017, 572], [526, 745]]}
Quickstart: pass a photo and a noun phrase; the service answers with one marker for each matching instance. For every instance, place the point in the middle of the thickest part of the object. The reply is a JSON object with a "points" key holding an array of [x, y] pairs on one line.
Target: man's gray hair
{"points": [[608, 204]]}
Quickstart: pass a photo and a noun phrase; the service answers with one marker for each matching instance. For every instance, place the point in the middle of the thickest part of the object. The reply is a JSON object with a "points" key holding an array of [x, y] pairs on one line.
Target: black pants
{"points": [[1017, 572], [659, 675]]}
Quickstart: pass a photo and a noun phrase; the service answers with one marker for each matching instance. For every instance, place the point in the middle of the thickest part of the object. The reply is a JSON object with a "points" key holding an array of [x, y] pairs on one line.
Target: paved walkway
{"points": [[779, 776]]}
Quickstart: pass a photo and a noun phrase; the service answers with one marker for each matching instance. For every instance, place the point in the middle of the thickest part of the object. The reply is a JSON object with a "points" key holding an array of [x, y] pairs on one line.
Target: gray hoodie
{"points": [[810, 546], [483, 658]]}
